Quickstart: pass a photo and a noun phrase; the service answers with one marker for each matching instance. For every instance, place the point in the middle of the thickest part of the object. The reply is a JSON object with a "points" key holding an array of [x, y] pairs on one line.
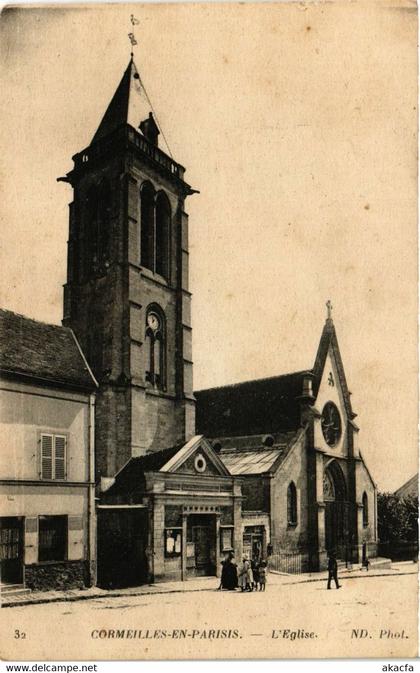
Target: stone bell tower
{"points": [[126, 295]]}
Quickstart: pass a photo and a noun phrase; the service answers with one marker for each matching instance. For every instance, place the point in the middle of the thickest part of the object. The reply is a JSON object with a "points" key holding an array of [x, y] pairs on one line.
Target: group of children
{"points": [[250, 576]]}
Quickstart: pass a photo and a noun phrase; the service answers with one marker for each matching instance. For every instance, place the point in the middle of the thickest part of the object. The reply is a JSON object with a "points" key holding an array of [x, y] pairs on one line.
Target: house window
{"points": [[155, 220], [155, 347], [365, 510], [52, 545], [53, 457], [173, 542], [291, 505]]}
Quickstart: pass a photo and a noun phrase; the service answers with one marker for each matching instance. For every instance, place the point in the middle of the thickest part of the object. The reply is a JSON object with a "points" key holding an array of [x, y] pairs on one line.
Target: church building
{"points": [[270, 467], [293, 441]]}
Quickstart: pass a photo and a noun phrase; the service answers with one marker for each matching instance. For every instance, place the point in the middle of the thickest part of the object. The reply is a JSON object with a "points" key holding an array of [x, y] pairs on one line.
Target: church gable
{"points": [[332, 398], [330, 388], [196, 457], [328, 349]]}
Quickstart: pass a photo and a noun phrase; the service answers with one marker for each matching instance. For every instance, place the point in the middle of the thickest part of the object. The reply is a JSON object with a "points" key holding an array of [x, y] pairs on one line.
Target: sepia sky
{"points": [[297, 123]]}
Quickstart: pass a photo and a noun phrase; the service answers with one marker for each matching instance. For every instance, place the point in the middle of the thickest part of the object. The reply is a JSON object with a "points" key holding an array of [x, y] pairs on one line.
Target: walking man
{"points": [[332, 570]]}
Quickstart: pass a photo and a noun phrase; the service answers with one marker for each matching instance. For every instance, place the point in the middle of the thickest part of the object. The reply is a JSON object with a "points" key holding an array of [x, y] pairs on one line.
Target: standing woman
{"points": [[229, 578]]}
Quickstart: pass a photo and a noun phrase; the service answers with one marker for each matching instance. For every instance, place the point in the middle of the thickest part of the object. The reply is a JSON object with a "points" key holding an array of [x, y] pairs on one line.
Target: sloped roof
{"points": [[130, 476], [129, 104], [266, 405], [251, 456], [411, 487], [40, 351], [251, 407], [250, 462]]}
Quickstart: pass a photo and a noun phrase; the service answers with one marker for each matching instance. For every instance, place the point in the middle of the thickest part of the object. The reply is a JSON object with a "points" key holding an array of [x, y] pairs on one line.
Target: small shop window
{"points": [[226, 539], [52, 538], [173, 542]]}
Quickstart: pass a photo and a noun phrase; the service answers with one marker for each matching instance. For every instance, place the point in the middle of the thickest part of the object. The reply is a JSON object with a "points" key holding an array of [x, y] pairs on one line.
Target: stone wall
{"points": [[293, 469], [364, 485], [57, 576], [256, 494]]}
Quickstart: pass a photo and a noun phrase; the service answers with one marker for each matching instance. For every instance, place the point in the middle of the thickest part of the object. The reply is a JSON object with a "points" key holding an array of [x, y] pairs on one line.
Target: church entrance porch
{"points": [[185, 515]]}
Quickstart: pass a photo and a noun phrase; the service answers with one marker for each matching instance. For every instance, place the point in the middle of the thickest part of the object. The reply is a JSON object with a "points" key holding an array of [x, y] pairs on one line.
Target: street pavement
{"points": [[371, 615], [197, 584]]}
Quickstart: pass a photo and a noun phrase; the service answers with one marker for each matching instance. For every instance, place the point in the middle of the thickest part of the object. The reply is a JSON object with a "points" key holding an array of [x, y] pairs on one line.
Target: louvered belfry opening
{"points": [[147, 208], [97, 232], [155, 230], [163, 218]]}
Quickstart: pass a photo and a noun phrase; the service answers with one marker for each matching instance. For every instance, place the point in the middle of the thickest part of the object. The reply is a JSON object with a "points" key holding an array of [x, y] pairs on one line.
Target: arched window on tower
{"points": [[163, 219], [292, 505], [155, 346], [147, 211], [365, 510]]}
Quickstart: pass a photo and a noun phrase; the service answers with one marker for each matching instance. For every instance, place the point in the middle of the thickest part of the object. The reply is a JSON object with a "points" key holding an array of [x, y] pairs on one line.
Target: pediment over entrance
{"points": [[196, 457]]}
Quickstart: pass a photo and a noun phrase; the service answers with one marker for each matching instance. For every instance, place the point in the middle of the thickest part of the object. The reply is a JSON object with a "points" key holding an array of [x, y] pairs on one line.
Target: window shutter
{"points": [[46, 456], [60, 457]]}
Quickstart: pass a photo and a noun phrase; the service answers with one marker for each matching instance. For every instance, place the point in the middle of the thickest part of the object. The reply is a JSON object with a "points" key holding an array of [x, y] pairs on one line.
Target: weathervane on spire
{"points": [[329, 309], [131, 36]]}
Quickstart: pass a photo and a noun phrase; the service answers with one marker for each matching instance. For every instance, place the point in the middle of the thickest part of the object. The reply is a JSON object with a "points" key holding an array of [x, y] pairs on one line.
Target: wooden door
{"points": [[330, 527], [201, 538], [122, 536]]}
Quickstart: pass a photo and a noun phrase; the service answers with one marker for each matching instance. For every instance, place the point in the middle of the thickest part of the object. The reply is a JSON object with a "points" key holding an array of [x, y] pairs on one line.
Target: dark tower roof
{"points": [[129, 104]]}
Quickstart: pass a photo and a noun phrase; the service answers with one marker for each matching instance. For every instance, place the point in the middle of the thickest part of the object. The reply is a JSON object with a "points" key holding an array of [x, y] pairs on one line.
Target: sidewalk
{"points": [[201, 584], [35, 597], [400, 568]]}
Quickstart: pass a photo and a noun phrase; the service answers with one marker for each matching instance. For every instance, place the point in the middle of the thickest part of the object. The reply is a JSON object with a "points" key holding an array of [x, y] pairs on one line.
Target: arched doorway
{"points": [[336, 510]]}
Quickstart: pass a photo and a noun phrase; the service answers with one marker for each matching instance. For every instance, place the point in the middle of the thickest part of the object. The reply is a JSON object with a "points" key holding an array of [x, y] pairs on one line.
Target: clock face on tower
{"points": [[331, 424], [153, 321]]}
